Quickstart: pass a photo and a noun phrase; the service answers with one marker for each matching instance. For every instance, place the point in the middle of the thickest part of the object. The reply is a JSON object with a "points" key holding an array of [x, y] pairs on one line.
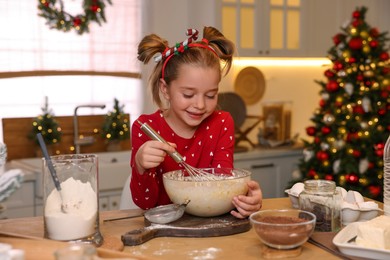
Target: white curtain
{"points": [[28, 44]]}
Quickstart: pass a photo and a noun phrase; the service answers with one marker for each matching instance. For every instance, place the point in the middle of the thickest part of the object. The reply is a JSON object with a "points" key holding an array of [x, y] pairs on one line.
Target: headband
{"points": [[181, 47]]}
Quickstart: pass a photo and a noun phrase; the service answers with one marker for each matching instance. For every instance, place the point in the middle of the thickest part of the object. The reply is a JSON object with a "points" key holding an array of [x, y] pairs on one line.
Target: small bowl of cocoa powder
{"points": [[283, 228]]}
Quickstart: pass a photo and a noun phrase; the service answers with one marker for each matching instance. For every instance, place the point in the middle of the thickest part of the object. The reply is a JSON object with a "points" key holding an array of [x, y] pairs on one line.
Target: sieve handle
{"points": [[149, 131]]}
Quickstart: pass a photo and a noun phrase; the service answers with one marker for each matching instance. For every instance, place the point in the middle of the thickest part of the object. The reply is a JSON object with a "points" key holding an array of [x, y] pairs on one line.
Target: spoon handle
{"points": [[49, 162], [149, 131]]}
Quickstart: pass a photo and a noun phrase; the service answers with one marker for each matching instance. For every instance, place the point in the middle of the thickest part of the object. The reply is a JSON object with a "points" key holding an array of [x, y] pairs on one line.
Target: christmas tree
{"points": [[116, 126], [352, 123], [47, 126]]}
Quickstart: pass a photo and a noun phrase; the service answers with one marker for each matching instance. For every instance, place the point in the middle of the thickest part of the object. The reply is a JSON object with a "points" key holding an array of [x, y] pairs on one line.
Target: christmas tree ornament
{"points": [[363, 165], [57, 17], [363, 181], [328, 119], [349, 88], [336, 166], [366, 104], [307, 154]]}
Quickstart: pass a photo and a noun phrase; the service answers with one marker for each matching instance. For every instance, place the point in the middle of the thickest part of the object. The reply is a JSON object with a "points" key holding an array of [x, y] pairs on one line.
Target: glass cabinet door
{"points": [[262, 27]]}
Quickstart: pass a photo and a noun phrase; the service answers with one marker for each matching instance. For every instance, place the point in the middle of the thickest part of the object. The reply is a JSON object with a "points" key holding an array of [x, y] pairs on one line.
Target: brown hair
{"points": [[153, 44]]}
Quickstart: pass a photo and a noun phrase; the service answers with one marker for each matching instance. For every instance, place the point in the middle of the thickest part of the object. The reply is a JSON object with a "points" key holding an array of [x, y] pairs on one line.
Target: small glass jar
{"points": [[322, 199]]}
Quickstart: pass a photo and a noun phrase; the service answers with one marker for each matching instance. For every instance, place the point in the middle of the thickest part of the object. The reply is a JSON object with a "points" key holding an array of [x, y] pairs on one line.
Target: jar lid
{"points": [[320, 186]]}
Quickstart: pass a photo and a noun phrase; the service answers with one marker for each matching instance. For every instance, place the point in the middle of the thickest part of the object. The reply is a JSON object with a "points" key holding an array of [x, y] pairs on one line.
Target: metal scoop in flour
{"points": [[52, 170], [166, 213]]}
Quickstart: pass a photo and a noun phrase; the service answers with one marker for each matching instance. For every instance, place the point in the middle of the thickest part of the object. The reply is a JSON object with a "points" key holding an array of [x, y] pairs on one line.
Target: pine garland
{"points": [[57, 18]]}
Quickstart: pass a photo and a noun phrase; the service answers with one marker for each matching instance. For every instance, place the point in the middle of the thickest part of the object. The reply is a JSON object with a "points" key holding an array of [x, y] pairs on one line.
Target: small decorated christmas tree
{"points": [[116, 125], [47, 126], [352, 123]]}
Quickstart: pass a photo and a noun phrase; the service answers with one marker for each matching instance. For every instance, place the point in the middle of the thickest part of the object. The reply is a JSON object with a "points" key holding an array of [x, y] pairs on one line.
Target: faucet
{"points": [[86, 140]]}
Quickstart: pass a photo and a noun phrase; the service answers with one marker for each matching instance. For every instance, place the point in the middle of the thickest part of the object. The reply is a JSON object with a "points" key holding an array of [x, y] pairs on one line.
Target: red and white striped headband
{"points": [[181, 47]]}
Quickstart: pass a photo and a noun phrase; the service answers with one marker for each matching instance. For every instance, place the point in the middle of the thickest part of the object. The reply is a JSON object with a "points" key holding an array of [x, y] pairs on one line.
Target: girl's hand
{"points": [[151, 154], [252, 202]]}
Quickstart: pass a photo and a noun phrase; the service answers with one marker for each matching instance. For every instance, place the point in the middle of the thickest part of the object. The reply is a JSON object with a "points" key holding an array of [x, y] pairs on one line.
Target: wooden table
{"points": [[28, 235]]}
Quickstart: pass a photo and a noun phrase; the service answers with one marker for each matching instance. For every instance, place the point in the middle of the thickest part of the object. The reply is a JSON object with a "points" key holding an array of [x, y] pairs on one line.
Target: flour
{"points": [[79, 221]]}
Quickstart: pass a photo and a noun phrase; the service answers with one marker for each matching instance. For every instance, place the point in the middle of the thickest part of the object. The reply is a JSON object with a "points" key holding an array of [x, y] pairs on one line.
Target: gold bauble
{"points": [[342, 180], [364, 34], [325, 163], [386, 82], [353, 31], [368, 73], [363, 181], [339, 99], [346, 54], [366, 48]]}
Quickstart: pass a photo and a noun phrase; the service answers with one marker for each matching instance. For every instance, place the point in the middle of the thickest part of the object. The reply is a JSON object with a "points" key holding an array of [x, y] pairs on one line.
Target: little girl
{"points": [[184, 85]]}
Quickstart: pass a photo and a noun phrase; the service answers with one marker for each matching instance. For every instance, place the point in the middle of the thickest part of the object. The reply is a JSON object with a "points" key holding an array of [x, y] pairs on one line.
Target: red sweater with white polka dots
{"points": [[211, 146]]}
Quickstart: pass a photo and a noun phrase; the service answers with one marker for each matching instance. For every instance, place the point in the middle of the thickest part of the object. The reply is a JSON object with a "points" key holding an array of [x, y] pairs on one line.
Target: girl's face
{"points": [[192, 97]]}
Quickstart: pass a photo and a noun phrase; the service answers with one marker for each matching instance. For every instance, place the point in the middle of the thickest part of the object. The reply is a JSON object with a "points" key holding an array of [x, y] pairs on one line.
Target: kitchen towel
{"points": [[9, 182]]}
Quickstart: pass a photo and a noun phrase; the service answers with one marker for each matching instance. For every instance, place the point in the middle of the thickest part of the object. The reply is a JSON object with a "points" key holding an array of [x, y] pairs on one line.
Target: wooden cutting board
{"points": [[188, 226]]}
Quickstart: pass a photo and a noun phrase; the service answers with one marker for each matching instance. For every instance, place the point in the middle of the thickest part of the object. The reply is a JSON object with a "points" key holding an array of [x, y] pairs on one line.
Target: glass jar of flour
{"points": [[72, 212], [322, 199]]}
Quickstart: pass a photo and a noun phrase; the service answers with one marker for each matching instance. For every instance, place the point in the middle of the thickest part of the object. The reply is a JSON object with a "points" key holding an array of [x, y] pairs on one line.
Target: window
{"points": [[70, 69]]}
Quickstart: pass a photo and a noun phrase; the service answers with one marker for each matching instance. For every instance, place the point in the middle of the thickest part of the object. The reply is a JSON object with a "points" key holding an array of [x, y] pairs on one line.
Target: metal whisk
{"points": [[195, 173]]}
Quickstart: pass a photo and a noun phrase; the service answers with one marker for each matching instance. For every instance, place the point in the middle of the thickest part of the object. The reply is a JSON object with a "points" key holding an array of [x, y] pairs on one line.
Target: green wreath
{"points": [[58, 19]]}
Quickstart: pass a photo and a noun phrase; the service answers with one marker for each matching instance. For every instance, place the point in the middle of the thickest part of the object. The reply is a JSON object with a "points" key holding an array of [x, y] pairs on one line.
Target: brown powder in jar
{"points": [[282, 235]]}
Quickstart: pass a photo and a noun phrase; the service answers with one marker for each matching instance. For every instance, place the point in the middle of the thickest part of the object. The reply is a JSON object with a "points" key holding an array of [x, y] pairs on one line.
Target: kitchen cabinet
{"points": [[264, 28], [109, 200], [292, 28], [328, 17], [271, 168]]}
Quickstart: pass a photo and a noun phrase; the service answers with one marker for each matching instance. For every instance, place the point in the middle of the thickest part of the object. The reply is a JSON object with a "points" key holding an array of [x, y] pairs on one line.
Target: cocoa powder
{"points": [[282, 235]]}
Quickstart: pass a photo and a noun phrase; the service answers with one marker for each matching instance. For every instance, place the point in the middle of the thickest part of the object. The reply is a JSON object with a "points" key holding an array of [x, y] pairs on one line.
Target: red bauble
{"points": [[356, 43], [356, 23], [329, 74], [382, 111], [371, 165], [384, 56], [322, 155], [385, 70], [352, 60], [356, 14], [338, 38], [312, 173], [317, 140], [379, 146], [374, 43], [352, 137], [332, 86], [76, 21], [329, 177], [379, 153], [384, 94], [356, 153], [311, 130], [352, 178], [358, 109], [375, 190], [337, 65], [360, 77], [94, 8], [374, 32], [322, 103], [325, 130]]}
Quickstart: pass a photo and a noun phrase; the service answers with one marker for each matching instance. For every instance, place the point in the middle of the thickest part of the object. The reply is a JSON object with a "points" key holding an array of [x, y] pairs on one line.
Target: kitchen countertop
{"points": [[24, 233]]}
